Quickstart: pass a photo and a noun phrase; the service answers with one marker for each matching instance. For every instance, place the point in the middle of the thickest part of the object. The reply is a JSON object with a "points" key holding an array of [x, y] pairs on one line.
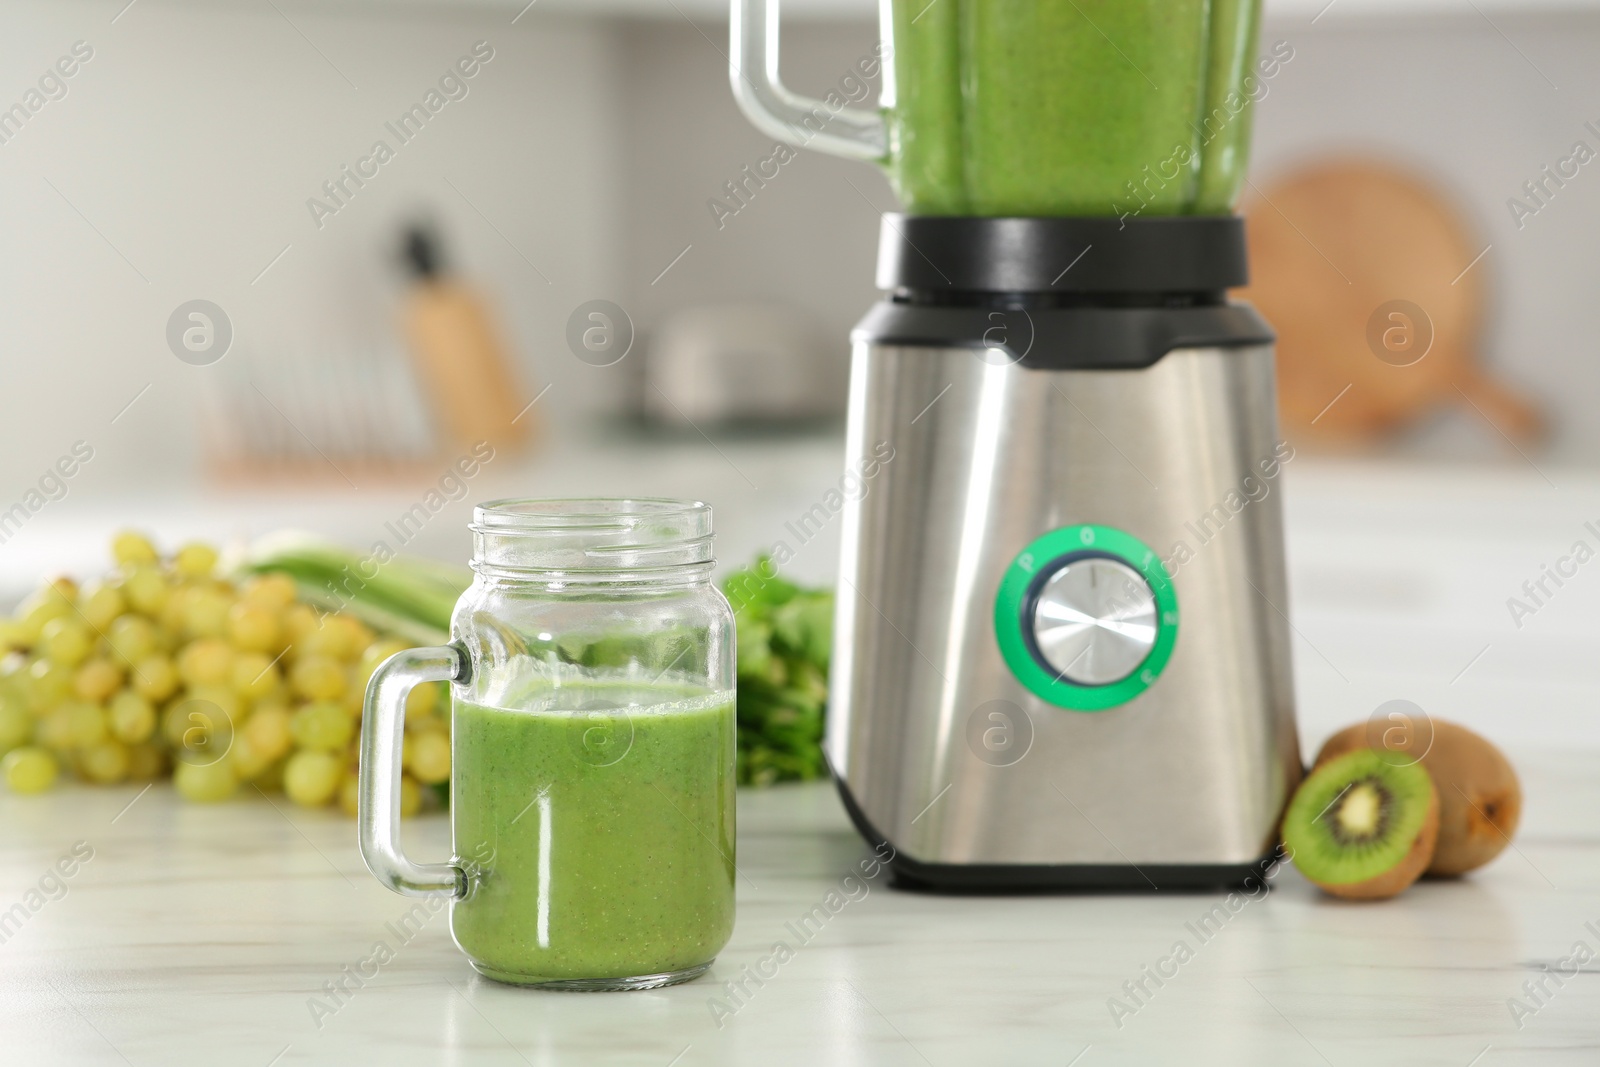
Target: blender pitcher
{"points": [[1035, 107]]}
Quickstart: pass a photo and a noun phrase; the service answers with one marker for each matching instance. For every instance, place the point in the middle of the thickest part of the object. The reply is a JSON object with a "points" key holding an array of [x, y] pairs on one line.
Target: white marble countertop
{"points": [[201, 935]]}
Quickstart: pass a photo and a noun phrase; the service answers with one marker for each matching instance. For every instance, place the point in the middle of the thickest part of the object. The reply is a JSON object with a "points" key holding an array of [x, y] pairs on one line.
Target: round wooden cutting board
{"points": [[1370, 279]]}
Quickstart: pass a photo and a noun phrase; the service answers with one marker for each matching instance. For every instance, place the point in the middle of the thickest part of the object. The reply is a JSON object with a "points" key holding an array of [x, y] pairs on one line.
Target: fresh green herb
{"points": [[785, 637]]}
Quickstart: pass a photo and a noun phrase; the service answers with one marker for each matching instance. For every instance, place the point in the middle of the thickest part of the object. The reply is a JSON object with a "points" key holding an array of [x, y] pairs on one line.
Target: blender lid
{"points": [[954, 253]]}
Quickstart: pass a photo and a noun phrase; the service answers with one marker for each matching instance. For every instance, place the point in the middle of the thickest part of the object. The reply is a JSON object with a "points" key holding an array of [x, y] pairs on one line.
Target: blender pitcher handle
{"points": [[774, 110], [382, 731]]}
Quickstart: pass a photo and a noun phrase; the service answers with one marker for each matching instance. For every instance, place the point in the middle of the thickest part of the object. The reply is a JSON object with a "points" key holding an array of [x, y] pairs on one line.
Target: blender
{"points": [[1061, 651]]}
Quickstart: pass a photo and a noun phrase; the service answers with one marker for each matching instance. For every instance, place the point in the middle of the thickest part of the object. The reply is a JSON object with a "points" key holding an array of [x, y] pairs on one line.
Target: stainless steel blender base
{"points": [[937, 745], [908, 873]]}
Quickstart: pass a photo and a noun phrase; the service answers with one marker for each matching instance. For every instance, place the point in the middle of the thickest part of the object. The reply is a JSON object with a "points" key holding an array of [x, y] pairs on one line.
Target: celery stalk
{"points": [[408, 596]]}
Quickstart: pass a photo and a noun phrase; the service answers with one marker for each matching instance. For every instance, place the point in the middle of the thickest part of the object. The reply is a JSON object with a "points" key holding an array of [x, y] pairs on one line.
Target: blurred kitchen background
{"points": [[579, 163]]}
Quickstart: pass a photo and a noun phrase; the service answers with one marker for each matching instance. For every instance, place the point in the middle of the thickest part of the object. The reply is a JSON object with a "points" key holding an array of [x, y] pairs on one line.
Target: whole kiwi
{"points": [[1480, 799]]}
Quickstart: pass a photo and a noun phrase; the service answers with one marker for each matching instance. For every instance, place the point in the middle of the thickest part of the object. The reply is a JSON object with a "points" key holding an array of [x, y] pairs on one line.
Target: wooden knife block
{"points": [[465, 367]]}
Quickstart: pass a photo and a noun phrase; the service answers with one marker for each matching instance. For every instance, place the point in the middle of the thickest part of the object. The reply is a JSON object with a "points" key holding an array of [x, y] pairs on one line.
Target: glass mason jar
{"points": [[592, 782]]}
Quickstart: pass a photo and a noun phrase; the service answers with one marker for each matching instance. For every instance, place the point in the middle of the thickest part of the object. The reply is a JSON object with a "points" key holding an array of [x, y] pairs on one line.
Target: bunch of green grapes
{"points": [[166, 666]]}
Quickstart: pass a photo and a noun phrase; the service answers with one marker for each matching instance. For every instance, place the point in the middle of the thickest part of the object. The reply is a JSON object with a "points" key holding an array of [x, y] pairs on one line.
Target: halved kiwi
{"points": [[1362, 828]]}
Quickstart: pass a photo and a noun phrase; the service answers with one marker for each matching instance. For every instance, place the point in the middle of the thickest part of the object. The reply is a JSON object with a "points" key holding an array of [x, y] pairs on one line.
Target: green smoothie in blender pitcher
{"points": [[1070, 107]]}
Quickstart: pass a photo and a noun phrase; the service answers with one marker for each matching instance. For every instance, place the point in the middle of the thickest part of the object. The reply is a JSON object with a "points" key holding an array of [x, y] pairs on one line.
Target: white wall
{"points": [[809, 236]]}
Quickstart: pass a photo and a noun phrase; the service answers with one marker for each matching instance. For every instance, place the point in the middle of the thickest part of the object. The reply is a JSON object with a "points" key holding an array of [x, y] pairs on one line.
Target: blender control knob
{"points": [[1094, 621]]}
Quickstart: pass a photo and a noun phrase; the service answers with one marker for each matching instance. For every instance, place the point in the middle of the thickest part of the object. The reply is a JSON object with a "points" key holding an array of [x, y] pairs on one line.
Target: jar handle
{"points": [[775, 111], [382, 732]]}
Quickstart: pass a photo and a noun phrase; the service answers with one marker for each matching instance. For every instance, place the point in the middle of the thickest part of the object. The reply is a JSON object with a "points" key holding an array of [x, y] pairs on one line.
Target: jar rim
{"points": [[592, 538], [531, 515]]}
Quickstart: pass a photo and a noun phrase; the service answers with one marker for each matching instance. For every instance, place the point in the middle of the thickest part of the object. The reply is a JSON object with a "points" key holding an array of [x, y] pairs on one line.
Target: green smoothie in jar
{"points": [[596, 821], [592, 672], [1070, 107]]}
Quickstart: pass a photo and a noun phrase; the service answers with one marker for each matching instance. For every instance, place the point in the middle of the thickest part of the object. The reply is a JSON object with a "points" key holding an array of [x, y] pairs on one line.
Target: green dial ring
{"points": [[1043, 557]]}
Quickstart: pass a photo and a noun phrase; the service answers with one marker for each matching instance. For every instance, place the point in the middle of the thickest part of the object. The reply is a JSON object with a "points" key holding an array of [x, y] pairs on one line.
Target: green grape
{"points": [[205, 612], [168, 641], [253, 627], [146, 761], [350, 794], [132, 637], [346, 636], [381, 650], [129, 547], [13, 635], [205, 783], [269, 730], [318, 678], [301, 619], [16, 725], [255, 675], [133, 718], [176, 608], [207, 661], [310, 778], [39, 609], [147, 589], [47, 686], [101, 604], [105, 763], [372, 658], [66, 641], [422, 700], [273, 591], [430, 756], [322, 726], [54, 731], [354, 694], [86, 723], [410, 796], [222, 698], [323, 642], [14, 681], [360, 675], [195, 560], [155, 678], [29, 770], [197, 727], [271, 779], [249, 762], [97, 680]]}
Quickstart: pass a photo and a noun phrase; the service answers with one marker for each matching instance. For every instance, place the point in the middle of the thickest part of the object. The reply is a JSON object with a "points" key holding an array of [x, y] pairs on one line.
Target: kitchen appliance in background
{"points": [[1379, 292], [1061, 657], [749, 362], [458, 349]]}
